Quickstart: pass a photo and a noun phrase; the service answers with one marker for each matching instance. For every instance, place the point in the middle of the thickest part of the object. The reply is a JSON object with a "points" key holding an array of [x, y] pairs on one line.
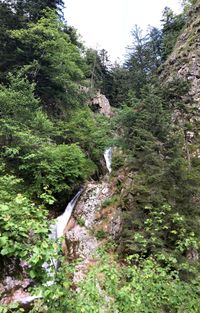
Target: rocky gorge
{"points": [[86, 223]]}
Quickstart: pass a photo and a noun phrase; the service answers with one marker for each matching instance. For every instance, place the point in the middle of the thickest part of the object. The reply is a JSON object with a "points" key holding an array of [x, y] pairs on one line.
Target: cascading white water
{"points": [[57, 229], [108, 159]]}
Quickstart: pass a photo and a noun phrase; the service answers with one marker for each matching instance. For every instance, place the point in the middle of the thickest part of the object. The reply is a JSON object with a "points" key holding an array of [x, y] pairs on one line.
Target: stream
{"points": [[57, 229], [108, 158], [91, 196]]}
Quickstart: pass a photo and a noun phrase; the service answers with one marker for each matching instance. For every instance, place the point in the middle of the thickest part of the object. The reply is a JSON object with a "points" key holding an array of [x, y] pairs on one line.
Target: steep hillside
{"points": [[184, 64], [128, 239]]}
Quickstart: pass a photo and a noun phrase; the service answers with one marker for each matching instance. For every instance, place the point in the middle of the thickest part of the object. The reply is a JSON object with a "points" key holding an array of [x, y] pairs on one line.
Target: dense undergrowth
{"points": [[51, 143]]}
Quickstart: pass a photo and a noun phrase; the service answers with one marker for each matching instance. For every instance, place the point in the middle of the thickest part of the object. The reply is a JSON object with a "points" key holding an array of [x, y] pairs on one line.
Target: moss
{"points": [[80, 221], [113, 200], [100, 234]]}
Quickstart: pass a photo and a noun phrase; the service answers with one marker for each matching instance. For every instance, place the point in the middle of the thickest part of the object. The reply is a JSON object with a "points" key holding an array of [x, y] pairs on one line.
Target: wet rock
{"points": [[80, 240], [71, 224]]}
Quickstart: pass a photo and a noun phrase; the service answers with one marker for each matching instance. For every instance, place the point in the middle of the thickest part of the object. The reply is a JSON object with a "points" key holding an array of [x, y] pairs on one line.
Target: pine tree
{"points": [[48, 58], [32, 10], [172, 26]]}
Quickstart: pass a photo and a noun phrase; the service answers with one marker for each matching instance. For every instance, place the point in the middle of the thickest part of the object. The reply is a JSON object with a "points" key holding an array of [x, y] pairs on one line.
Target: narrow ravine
{"points": [[79, 226]]}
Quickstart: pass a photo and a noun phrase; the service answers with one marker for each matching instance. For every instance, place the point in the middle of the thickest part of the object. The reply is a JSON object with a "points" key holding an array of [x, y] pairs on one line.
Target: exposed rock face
{"points": [[90, 203], [115, 224], [15, 291], [14, 283], [80, 243], [101, 105], [80, 240], [184, 63]]}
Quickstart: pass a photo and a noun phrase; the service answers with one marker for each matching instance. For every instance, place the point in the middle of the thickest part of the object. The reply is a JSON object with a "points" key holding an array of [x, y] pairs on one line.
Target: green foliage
{"points": [[52, 143], [110, 201], [161, 175], [45, 155], [59, 167], [119, 85], [162, 231], [22, 223], [8, 45], [57, 83], [145, 55], [33, 10], [100, 234], [15, 15], [144, 58], [80, 221], [28, 138], [97, 70], [17, 101], [117, 161], [89, 131], [109, 287], [150, 113], [152, 289], [172, 26]]}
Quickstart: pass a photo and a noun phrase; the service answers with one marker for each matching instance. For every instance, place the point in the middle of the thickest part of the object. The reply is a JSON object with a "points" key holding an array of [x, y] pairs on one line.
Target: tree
{"points": [[144, 58], [15, 15], [160, 169], [118, 86], [172, 26], [32, 10], [9, 21], [50, 59], [98, 69]]}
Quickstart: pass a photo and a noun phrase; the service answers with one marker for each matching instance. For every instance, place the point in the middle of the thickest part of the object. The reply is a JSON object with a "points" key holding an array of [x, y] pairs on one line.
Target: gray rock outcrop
{"points": [[184, 63], [101, 105]]}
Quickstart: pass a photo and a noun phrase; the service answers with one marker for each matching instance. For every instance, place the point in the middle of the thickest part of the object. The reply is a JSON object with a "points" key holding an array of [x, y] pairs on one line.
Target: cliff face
{"points": [[184, 63], [101, 105]]}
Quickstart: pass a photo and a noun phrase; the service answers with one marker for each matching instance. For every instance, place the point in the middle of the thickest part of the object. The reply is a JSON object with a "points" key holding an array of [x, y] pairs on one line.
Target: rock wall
{"points": [[184, 64], [101, 104], [89, 219]]}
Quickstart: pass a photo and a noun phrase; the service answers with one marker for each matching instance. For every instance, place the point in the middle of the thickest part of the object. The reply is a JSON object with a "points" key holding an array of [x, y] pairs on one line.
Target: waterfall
{"points": [[108, 158], [57, 229]]}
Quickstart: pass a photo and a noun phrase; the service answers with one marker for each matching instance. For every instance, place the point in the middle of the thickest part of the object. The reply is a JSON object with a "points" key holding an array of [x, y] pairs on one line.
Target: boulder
{"points": [[100, 104]]}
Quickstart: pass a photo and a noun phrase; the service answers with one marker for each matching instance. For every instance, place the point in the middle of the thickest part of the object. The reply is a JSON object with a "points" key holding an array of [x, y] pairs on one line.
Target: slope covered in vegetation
{"points": [[52, 143]]}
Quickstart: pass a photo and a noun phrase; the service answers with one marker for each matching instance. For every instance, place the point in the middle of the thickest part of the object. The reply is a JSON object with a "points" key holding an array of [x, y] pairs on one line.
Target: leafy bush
{"points": [[109, 287], [22, 223], [17, 101], [61, 167], [89, 131]]}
